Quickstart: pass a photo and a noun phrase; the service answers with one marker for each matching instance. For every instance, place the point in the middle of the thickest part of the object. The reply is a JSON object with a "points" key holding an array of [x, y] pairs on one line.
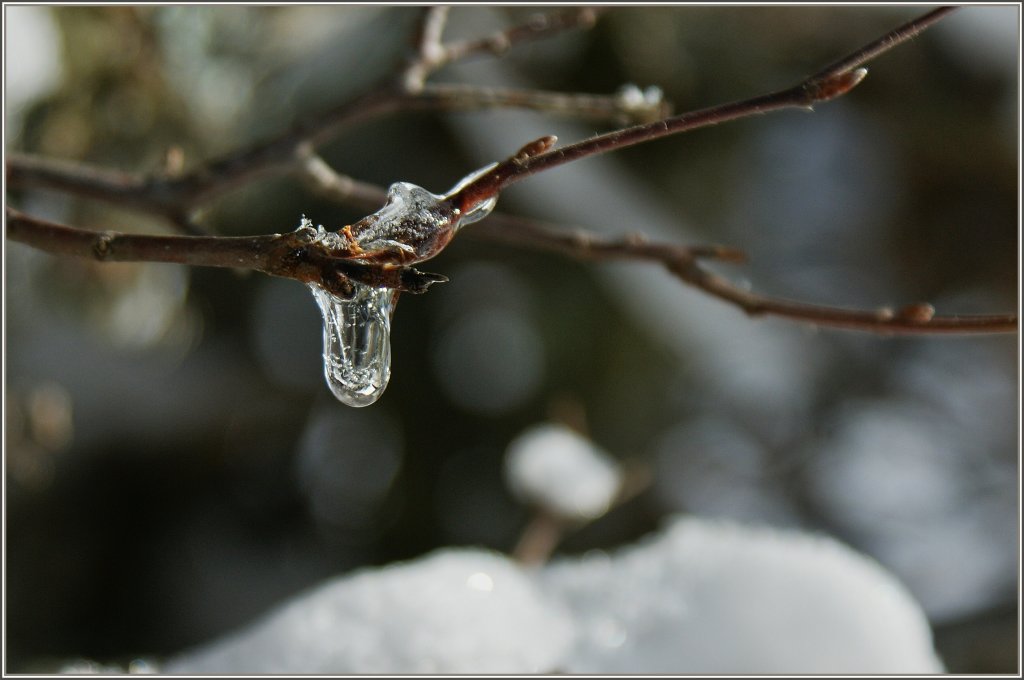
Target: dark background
{"points": [[175, 464]]}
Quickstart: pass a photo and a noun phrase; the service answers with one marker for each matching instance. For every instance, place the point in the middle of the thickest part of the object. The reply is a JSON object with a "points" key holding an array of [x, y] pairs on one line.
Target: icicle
{"points": [[357, 342], [413, 225]]}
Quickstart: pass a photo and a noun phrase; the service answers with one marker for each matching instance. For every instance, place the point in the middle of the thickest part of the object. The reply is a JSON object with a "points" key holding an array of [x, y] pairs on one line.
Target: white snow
{"points": [[718, 597], [553, 467], [454, 611], [698, 597]]}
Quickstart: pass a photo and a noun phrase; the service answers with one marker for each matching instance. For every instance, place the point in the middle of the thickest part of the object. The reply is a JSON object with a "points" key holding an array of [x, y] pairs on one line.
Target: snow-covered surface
{"points": [[699, 597], [553, 467], [718, 597], [454, 611]]}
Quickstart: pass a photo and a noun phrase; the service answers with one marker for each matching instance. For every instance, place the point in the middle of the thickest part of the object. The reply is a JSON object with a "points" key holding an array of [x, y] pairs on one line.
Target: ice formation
{"points": [[412, 226], [357, 342]]}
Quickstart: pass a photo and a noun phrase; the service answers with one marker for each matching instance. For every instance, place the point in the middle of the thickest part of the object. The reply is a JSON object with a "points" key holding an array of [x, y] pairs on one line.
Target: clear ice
{"points": [[357, 330], [357, 342]]}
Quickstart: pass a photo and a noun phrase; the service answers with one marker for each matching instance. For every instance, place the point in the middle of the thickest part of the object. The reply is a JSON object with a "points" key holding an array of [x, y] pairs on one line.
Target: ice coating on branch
{"points": [[357, 342], [480, 210], [413, 225], [412, 221], [553, 467]]}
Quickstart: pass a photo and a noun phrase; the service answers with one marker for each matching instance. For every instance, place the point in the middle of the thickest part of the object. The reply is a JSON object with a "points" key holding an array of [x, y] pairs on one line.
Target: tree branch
{"points": [[291, 256], [175, 198], [829, 83], [299, 256], [684, 263], [432, 53]]}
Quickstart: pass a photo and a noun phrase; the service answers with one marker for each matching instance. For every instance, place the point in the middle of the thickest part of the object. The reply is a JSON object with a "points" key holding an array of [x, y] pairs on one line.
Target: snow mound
{"points": [[454, 611], [716, 597], [553, 467]]}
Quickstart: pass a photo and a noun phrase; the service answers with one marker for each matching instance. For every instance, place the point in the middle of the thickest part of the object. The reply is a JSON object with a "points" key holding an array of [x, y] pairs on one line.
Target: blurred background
{"points": [[175, 464]]}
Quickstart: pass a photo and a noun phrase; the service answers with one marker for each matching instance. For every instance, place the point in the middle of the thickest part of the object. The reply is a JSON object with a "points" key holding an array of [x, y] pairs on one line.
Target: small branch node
{"points": [[920, 312], [834, 85], [102, 245]]}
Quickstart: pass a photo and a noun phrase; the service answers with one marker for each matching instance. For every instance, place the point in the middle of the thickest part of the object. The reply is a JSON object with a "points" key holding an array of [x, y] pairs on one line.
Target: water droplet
{"points": [[357, 342], [412, 226], [480, 210]]}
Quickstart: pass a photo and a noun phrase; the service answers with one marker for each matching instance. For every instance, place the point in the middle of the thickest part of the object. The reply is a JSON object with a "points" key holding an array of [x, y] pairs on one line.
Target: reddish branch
{"points": [[685, 263], [829, 83], [297, 255]]}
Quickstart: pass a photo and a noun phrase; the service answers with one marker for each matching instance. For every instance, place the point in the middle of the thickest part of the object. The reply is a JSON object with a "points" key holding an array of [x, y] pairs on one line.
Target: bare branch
{"points": [[683, 262], [297, 255], [428, 34], [433, 54], [829, 83], [322, 179], [445, 97], [884, 44], [545, 530], [537, 27], [243, 252], [176, 197]]}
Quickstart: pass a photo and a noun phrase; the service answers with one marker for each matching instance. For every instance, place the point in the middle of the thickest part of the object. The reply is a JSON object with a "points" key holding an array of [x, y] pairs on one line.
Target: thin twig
{"points": [[684, 263], [429, 48], [176, 197], [283, 255], [243, 252], [432, 53], [884, 44], [295, 255], [454, 97], [829, 83], [537, 27], [541, 535], [545, 529], [324, 180]]}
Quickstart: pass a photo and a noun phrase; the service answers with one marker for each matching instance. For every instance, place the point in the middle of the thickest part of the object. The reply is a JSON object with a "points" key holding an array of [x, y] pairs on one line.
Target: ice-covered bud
{"points": [[632, 99], [553, 467]]}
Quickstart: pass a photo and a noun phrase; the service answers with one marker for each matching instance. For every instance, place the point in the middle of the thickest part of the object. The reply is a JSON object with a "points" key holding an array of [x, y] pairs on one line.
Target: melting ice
{"points": [[357, 342], [357, 330]]}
